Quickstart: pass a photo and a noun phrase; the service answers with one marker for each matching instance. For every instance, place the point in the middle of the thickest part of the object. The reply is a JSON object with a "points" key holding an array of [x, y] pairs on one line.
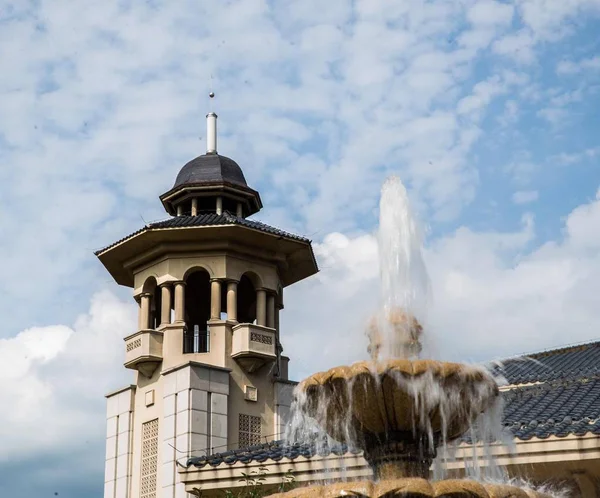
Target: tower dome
{"points": [[209, 169], [211, 183]]}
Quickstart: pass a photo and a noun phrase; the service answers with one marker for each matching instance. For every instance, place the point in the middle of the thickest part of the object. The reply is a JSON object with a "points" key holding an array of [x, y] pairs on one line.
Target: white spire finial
{"points": [[211, 130]]}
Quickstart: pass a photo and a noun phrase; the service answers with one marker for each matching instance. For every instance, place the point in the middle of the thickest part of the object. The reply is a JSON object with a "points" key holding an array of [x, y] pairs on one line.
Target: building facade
{"points": [[210, 375]]}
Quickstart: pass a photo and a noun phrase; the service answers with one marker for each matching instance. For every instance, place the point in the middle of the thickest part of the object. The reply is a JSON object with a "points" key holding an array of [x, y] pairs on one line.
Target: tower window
{"points": [[250, 430], [196, 340]]}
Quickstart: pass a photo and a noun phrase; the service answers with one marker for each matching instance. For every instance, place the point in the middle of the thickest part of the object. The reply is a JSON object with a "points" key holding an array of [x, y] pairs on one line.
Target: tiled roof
{"points": [[209, 219], [564, 400], [557, 408], [275, 451], [564, 363]]}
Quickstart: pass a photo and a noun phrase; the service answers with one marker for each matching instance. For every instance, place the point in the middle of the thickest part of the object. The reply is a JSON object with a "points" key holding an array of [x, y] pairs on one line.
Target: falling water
{"points": [[395, 331]]}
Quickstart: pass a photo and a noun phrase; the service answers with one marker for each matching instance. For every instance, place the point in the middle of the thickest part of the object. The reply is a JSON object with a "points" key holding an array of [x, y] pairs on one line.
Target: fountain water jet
{"points": [[397, 408], [395, 331]]}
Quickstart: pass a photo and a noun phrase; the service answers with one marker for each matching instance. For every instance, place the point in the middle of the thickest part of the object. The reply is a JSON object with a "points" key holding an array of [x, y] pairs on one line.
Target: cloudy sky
{"points": [[487, 110]]}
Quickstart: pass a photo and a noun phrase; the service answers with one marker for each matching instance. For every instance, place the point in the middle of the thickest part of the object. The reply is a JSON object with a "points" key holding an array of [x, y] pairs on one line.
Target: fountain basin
{"points": [[397, 411], [412, 488]]}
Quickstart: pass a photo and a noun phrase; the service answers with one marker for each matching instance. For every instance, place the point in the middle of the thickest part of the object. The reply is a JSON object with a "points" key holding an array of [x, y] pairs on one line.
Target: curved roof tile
{"points": [[208, 219]]}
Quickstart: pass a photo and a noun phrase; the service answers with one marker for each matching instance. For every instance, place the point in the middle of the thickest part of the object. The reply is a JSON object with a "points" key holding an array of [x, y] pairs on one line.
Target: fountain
{"points": [[398, 408]]}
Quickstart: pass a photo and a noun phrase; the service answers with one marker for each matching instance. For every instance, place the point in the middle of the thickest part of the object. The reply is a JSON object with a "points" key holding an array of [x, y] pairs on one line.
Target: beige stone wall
{"points": [[263, 407], [194, 419], [119, 440], [147, 407], [190, 406], [220, 344], [283, 397]]}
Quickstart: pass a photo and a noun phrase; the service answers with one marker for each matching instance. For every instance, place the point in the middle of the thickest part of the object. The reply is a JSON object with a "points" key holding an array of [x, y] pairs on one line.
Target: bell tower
{"points": [[209, 373]]}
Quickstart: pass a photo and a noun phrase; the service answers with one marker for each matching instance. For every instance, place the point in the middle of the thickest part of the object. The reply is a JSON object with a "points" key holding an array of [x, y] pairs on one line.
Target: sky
{"points": [[487, 110]]}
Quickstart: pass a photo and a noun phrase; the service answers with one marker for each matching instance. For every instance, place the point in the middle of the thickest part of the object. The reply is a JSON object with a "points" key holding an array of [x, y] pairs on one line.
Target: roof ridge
{"points": [[555, 350], [226, 217]]}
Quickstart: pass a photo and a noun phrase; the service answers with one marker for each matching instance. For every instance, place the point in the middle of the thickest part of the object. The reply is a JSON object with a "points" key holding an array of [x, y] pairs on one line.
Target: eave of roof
{"points": [[225, 230], [204, 220]]}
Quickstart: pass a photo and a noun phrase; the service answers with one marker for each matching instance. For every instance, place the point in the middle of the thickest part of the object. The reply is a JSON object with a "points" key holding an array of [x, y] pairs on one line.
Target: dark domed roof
{"points": [[210, 168]]}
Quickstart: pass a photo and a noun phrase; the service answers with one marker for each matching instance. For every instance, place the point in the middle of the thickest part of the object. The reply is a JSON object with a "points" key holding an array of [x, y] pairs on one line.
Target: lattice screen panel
{"points": [[149, 459], [250, 430]]}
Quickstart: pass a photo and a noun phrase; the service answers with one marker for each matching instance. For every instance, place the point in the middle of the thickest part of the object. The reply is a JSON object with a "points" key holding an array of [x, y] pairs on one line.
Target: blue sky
{"points": [[487, 110]]}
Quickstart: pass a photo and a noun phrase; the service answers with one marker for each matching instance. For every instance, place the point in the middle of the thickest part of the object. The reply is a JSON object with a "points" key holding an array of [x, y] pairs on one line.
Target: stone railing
{"points": [[143, 351], [253, 345]]}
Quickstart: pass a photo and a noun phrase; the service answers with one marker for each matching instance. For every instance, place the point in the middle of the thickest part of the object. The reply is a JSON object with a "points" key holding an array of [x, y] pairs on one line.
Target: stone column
{"points": [[232, 300], [180, 301], [261, 307], [179, 210], [195, 206], [239, 210], [215, 299], [165, 303], [144, 316], [219, 205], [271, 311]]}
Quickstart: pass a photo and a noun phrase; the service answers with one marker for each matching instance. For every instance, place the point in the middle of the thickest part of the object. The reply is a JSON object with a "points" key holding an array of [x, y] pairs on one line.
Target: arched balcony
{"points": [[143, 349], [254, 337], [244, 308]]}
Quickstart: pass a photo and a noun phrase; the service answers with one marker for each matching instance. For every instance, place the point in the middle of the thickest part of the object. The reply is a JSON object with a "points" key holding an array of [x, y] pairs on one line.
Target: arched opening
{"points": [[246, 298], [151, 287], [197, 312]]}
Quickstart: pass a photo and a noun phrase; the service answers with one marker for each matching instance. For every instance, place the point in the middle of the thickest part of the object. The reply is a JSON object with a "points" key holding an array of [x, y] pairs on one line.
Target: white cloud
{"points": [[559, 110], [570, 67], [548, 19], [510, 114], [490, 13], [543, 21], [556, 116], [482, 94], [522, 170], [525, 196], [519, 46], [54, 379], [567, 158], [488, 19]]}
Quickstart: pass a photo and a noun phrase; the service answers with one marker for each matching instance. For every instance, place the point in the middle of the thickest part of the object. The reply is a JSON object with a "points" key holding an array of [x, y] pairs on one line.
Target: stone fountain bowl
{"points": [[407, 403], [412, 488]]}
